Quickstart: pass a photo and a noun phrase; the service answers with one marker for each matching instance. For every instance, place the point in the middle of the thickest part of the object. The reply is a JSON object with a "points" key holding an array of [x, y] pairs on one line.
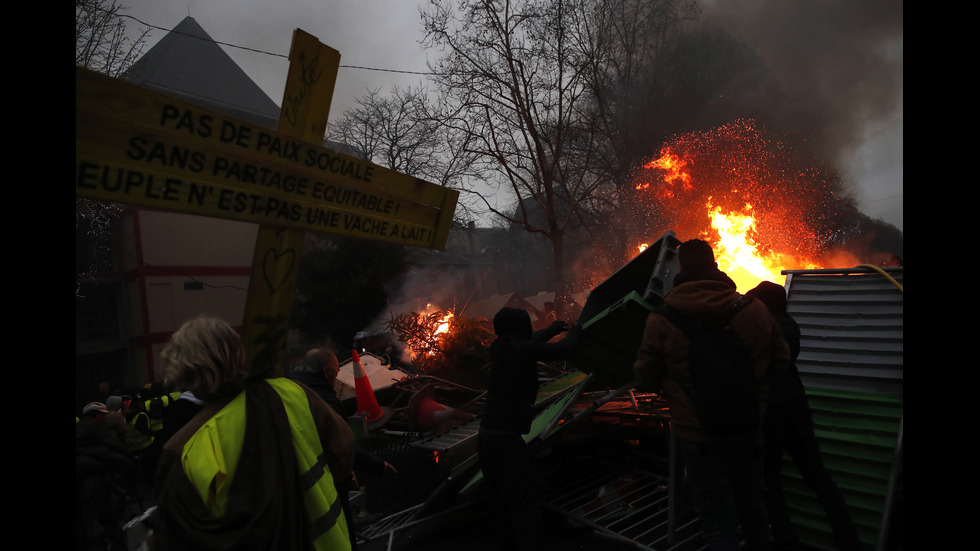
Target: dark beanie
{"points": [[696, 255], [772, 295], [512, 322]]}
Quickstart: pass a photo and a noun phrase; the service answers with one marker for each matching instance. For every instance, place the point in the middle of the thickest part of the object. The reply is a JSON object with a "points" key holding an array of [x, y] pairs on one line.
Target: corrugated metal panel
{"points": [[851, 361], [859, 435], [852, 326]]}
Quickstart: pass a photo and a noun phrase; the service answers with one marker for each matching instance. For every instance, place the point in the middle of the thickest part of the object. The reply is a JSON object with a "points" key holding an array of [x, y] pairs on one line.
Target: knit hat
{"points": [[696, 254], [772, 295], [94, 407], [113, 403]]}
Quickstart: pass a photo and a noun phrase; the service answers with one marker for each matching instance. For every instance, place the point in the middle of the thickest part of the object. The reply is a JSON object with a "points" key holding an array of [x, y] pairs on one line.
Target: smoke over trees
{"points": [[840, 68], [558, 104], [525, 82], [839, 62]]}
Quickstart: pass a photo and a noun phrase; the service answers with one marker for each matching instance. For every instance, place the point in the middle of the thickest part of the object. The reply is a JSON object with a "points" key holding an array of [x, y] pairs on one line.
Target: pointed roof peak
{"points": [[187, 63], [191, 27]]}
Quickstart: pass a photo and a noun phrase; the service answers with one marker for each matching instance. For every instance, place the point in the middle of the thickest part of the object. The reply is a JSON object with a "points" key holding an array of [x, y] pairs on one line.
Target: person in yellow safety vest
{"points": [[138, 436], [259, 466], [154, 409]]}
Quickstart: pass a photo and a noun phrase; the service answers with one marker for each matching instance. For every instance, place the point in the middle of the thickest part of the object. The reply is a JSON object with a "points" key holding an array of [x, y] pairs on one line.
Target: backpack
{"points": [[726, 391]]}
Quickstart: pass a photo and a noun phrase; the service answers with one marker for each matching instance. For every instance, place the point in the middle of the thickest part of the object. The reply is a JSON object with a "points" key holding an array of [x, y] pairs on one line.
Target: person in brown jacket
{"points": [[724, 468]]}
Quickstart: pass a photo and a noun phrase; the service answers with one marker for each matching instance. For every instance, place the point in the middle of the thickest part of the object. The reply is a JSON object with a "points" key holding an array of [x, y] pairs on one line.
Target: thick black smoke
{"points": [[839, 62]]}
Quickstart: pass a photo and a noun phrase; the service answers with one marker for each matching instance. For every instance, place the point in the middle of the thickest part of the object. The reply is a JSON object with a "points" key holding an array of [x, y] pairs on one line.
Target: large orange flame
{"points": [[718, 203], [674, 171], [444, 324], [740, 256], [762, 205], [432, 326]]}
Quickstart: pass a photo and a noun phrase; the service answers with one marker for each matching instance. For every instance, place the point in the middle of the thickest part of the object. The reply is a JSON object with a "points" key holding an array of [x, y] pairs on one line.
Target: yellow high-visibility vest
{"points": [[154, 408], [136, 439], [210, 459]]}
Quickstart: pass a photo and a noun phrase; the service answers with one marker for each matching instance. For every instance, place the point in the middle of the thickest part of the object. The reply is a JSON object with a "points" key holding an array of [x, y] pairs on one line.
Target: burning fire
{"points": [[443, 324], [740, 256], [437, 338], [424, 332], [673, 167], [757, 207]]}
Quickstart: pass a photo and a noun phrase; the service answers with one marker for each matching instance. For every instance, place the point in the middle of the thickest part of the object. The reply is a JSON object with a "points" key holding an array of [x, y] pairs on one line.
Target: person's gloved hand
{"points": [[559, 326], [574, 334]]}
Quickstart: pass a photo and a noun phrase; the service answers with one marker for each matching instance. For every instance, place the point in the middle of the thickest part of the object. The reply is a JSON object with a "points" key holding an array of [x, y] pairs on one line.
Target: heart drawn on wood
{"points": [[276, 268]]}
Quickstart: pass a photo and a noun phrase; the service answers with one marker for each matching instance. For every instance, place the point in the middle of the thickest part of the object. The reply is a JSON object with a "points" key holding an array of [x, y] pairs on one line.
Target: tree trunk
{"points": [[562, 295]]}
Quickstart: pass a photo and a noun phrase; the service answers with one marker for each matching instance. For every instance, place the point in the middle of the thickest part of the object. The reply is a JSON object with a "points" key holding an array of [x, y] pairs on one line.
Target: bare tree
{"points": [[101, 44], [388, 129], [634, 78], [515, 74], [405, 131], [101, 40], [529, 84]]}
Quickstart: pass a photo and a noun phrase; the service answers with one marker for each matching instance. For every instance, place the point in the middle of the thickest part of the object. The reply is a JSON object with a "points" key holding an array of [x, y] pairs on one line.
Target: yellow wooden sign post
{"points": [[140, 147], [305, 110]]}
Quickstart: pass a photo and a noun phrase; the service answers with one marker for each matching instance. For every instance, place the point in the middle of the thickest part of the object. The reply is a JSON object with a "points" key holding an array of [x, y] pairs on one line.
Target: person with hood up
{"points": [[507, 464], [788, 426], [725, 470]]}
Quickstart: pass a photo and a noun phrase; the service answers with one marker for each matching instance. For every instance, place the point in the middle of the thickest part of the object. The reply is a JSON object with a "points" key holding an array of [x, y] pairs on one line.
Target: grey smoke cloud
{"points": [[841, 62], [840, 59]]}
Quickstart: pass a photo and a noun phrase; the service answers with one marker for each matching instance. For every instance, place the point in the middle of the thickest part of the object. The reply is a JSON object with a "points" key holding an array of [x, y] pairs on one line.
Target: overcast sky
{"points": [[844, 60]]}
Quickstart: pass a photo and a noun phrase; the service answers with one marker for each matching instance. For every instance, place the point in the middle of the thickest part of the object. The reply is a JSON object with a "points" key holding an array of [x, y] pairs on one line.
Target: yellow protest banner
{"points": [[140, 147], [136, 146]]}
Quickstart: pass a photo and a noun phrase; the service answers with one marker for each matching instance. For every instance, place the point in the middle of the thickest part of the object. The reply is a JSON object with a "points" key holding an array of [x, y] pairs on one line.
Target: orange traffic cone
{"points": [[432, 414], [367, 403]]}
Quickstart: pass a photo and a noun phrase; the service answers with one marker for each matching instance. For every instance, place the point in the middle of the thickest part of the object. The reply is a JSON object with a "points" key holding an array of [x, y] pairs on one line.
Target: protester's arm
{"points": [[563, 348], [553, 330]]}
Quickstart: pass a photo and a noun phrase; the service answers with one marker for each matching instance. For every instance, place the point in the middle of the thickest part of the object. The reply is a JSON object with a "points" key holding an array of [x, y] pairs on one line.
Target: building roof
{"points": [[188, 64]]}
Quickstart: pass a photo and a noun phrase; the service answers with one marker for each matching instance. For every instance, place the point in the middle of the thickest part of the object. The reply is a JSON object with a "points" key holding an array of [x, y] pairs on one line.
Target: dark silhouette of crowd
{"points": [[117, 447], [735, 474], [282, 479], [788, 426]]}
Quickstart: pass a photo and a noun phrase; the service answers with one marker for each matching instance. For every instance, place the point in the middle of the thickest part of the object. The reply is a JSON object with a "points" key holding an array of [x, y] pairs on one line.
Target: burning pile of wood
{"points": [[441, 340]]}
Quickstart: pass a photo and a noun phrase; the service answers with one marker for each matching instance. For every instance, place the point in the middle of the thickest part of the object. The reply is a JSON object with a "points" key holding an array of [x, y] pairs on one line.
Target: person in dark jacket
{"points": [[788, 426], [507, 464], [101, 460], [724, 470], [318, 371]]}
